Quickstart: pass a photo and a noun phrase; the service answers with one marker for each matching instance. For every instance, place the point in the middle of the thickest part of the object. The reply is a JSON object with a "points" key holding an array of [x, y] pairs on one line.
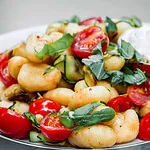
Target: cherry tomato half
{"points": [[4, 74], [144, 128], [86, 40], [91, 21], [44, 106], [14, 125], [120, 103], [139, 94], [52, 128]]}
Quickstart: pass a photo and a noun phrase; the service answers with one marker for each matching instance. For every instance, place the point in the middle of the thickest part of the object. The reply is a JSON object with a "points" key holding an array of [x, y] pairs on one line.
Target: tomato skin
{"points": [[86, 40], [44, 106], [3, 57], [53, 129], [144, 128], [91, 21], [120, 103], [4, 75], [139, 94], [14, 125], [145, 68]]}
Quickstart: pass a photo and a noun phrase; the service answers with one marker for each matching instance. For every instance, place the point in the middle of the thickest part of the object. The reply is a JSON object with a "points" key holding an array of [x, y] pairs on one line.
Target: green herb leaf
{"points": [[98, 116], [56, 47], [112, 46], [82, 111], [133, 21], [31, 118], [136, 77], [96, 63], [43, 52], [139, 57], [110, 25], [114, 53], [116, 76], [66, 120], [75, 19], [126, 50]]}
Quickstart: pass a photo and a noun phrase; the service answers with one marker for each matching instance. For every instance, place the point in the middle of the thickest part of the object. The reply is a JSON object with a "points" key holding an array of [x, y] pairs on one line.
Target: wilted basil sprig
{"points": [[85, 116]]}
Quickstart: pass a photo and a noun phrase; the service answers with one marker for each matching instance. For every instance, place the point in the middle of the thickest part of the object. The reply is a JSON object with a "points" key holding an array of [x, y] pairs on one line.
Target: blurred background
{"points": [[18, 14]]}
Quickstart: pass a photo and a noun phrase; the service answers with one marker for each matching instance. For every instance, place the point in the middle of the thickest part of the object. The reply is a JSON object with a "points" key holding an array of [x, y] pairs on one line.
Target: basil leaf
{"points": [[43, 52], [133, 21], [113, 53], [110, 25], [82, 111], [98, 116], [136, 77], [66, 120], [116, 77], [56, 47], [64, 21], [31, 118], [126, 50], [96, 63], [112, 46], [75, 19], [139, 57]]}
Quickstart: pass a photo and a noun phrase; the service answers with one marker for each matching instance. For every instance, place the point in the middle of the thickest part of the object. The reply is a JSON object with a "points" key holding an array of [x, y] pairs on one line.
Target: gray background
{"points": [[18, 14]]}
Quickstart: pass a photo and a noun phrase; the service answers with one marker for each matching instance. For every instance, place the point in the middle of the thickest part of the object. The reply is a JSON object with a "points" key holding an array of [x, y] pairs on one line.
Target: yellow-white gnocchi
{"points": [[32, 78]]}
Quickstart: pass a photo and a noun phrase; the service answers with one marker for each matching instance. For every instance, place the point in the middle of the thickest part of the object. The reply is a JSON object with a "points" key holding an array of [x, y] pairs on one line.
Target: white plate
{"points": [[10, 39]]}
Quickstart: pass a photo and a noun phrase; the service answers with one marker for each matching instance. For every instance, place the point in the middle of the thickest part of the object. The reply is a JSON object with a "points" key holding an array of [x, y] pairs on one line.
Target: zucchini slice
{"points": [[59, 63], [73, 69], [33, 136], [89, 77]]}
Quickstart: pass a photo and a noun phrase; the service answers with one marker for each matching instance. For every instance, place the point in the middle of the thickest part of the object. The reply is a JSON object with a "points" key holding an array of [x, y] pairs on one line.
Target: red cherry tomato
{"points": [[86, 40], [53, 129], [44, 106], [91, 21], [13, 124], [139, 94], [144, 128], [146, 68], [4, 74], [120, 103], [3, 57]]}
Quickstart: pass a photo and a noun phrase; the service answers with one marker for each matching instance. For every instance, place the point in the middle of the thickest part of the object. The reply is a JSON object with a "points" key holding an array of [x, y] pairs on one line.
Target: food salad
{"points": [[82, 83]]}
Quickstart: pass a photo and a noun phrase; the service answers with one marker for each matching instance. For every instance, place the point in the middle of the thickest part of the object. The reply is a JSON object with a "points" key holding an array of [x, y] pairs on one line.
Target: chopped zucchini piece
{"points": [[33, 136], [59, 63], [73, 69], [89, 77]]}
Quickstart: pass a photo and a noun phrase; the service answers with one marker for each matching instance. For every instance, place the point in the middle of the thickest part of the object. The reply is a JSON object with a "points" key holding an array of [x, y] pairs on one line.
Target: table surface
{"points": [[16, 14]]}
